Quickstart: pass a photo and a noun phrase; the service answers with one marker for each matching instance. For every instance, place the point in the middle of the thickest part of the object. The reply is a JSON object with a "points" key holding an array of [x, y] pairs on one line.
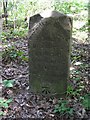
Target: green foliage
{"points": [[86, 101], [13, 33], [13, 54], [63, 108], [18, 8], [69, 89], [77, 78], [8, 83], [1, 113], [4, 104], [72, 92], [69, 7], [75, 58], [5, 36], [21, 32]]}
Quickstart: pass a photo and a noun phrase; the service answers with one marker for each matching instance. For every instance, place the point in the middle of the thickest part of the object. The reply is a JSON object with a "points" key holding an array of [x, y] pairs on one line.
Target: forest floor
{"points": [[27, 105]]}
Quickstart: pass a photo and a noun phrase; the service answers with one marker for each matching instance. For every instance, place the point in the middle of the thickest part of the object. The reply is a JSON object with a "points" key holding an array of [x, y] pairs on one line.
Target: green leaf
{"points": [[86, 101], [9, 100], [77, 79], [24, 58], [8, 83], [5, 105], [70, 111], [1, 113], [56, 111], [1, 100]]}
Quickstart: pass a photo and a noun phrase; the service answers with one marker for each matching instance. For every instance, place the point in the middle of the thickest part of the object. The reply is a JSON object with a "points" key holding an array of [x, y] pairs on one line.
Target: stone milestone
{"points": [[49, 52]]}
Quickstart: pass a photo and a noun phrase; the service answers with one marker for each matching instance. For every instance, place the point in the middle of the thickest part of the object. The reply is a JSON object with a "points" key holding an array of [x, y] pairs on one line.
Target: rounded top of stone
{"points": [[51, 13]]}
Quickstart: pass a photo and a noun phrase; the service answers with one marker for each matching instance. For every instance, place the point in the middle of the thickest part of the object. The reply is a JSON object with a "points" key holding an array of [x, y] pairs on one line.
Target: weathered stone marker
{"points": [[49, 52]]}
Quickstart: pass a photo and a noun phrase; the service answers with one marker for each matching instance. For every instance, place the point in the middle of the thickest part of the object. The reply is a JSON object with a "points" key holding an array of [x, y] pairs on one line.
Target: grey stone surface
{"points": [[49, 53]]}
